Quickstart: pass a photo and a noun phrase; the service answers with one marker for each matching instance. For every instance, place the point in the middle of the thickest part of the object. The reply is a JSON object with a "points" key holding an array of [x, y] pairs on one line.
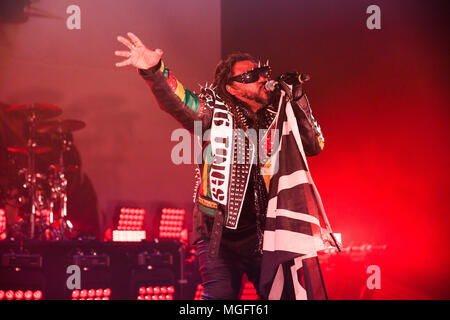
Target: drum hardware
{"points": [[41, 192]]}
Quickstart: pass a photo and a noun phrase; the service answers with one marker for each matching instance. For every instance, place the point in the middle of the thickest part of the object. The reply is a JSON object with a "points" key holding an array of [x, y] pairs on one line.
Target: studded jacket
{"points": [[195, 113]]}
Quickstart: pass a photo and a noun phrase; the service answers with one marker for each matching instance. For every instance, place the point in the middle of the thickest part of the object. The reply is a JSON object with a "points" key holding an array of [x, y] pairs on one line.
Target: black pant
{"points": [[222, 275]]}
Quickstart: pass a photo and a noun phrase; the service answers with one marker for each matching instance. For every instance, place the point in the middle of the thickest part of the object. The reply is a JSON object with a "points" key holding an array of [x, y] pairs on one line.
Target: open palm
{"points": [[139, 55]]}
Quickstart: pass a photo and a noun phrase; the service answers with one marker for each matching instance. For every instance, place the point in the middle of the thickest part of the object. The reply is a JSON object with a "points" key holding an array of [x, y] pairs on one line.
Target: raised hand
{"points": [[139, 55]]}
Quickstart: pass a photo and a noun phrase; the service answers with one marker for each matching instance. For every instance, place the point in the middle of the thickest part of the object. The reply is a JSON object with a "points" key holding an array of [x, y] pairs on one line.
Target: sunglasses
{"points": [[253, 75]]}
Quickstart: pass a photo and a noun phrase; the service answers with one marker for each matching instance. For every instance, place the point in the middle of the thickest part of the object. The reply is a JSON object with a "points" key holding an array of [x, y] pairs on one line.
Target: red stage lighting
{"points": [[18, 295], [28, 295], [91, 293], [248, 291], [156, 293], [2, 224], [76, 294], [107, 292], [37, 295], [83, 293], [129, 226], [198, 292], [171, 224], [9, 295], [99, 292]]}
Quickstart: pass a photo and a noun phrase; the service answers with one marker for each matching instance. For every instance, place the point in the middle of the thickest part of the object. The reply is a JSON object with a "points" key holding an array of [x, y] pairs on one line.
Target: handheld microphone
{"points": [[289, 78]]}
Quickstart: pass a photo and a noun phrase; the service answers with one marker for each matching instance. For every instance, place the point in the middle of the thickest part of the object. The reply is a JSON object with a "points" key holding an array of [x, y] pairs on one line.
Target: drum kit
{"points": [[42, 196]]}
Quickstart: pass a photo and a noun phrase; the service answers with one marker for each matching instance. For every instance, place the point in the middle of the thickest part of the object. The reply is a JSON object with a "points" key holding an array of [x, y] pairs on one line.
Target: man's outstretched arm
{"points": [[182, 104]]}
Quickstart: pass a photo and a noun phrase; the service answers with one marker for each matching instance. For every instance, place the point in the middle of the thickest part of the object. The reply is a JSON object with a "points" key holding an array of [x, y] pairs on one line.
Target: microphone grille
{"points": [[270, 85]]}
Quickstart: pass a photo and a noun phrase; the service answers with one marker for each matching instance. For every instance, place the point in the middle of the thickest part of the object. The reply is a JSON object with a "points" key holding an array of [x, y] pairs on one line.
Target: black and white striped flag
{"points": [[293, 234]]}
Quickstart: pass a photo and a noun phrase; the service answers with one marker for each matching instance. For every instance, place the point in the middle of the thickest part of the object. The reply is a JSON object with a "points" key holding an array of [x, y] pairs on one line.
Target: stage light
{"points": [[91, 294], [99, 292], [125, 235], [37, 295], [18, 295], [28, 295], [156, 293], [171, 224], [129, 226], [9, 295], [248, 291], [2, 224], [107, 292], [76, 294], [83, 293], [198, 292]]}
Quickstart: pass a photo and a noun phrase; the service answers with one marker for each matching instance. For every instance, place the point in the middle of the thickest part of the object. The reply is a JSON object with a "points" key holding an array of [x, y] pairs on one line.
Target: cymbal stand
{"points": [[61, 190], [31, 175]]}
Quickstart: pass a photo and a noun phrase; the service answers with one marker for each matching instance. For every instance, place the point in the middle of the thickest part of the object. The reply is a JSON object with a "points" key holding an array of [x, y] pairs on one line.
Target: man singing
{"points": [[237, 116]]}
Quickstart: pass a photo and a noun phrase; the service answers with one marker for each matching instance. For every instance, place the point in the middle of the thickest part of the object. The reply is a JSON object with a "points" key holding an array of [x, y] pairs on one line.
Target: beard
{"points": [[261, 97]]}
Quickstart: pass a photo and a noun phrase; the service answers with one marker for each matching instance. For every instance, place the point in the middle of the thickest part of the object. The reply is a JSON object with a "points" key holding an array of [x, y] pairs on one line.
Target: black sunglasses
{"points": [[252, 75]]}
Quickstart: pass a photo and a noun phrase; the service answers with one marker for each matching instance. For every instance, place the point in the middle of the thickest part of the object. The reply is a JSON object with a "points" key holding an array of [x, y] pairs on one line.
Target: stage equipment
{"points": [[119, 269], [130, 224], [156, 293], [91, 294], [2, 224], [160, 268], [171, 224], [43, 195]]}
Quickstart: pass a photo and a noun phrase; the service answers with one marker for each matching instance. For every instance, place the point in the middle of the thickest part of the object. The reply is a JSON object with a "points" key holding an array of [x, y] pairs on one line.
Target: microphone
{"points": [[289, 78]]}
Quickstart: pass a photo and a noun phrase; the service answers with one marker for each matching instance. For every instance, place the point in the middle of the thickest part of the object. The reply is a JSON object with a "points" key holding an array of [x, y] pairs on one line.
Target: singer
{"points": [[230, 219]]}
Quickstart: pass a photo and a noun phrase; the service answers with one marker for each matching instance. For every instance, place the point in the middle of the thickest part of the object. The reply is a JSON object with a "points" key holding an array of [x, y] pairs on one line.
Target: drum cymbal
{"points": [[40, 110], [60, 126], [24, 150]]}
